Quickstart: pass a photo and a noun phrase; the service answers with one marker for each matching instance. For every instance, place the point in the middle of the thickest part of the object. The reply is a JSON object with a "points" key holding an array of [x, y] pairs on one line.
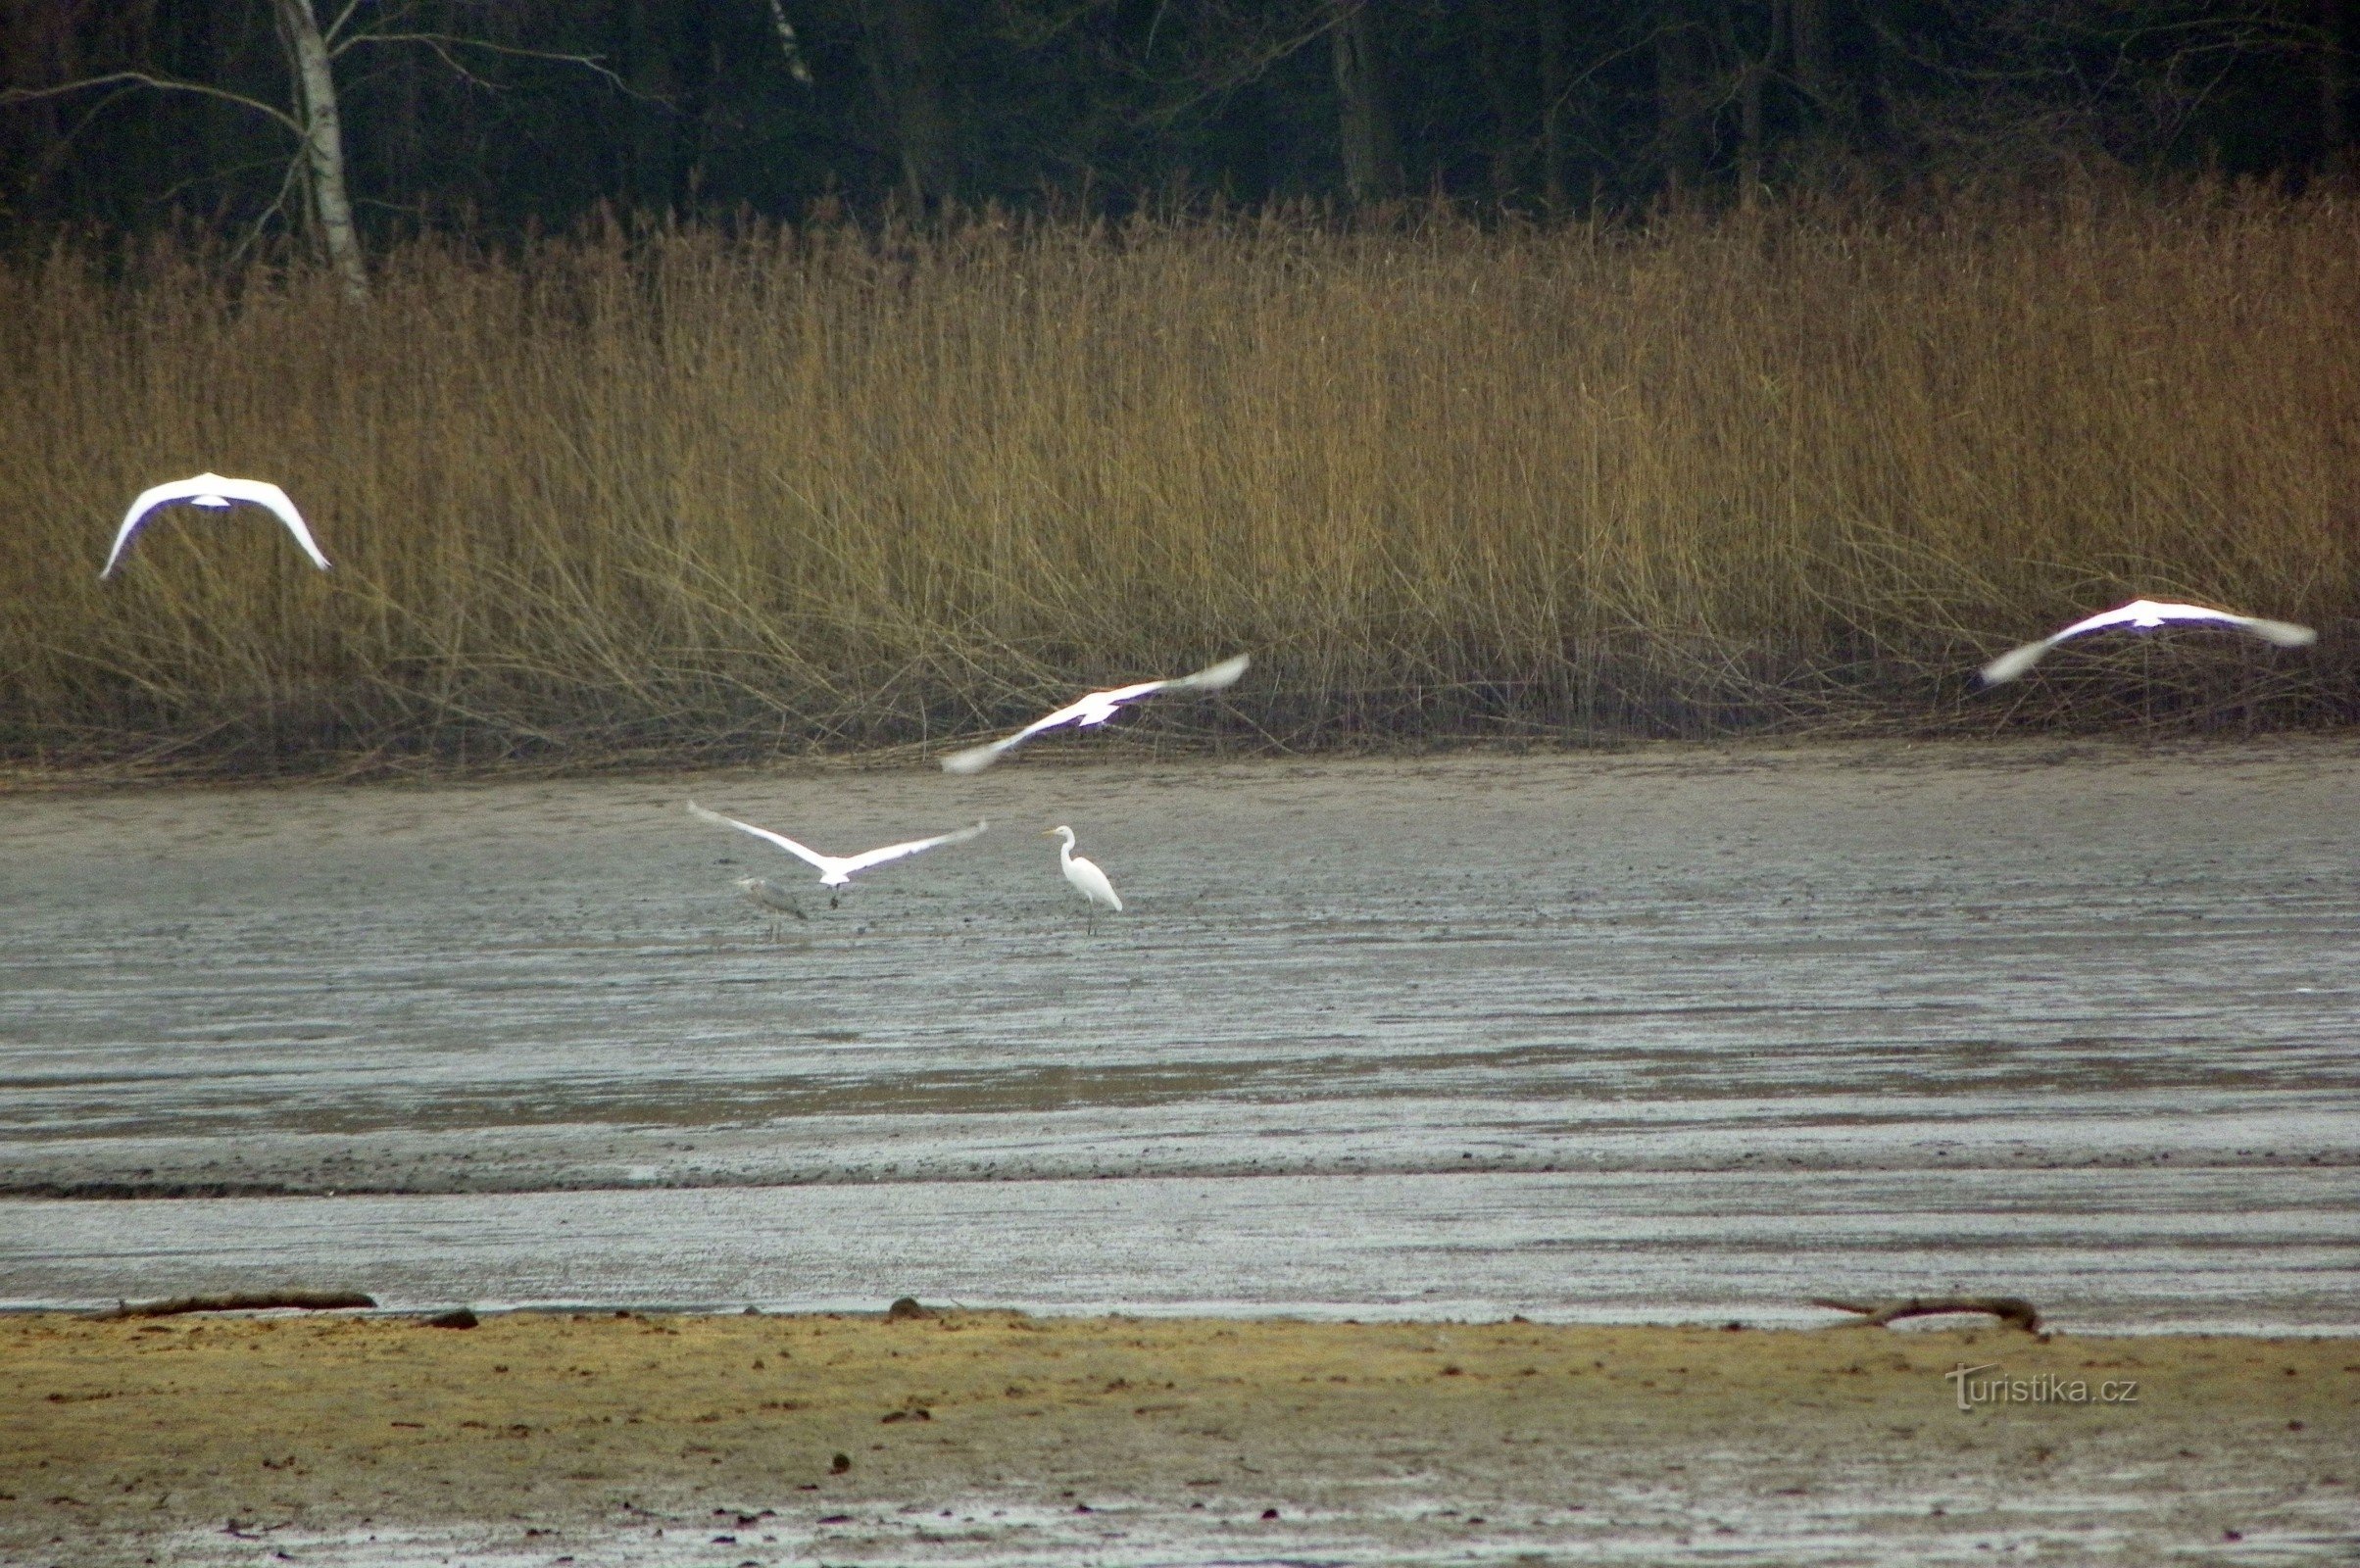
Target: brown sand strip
{"points": [[118, 1439]]}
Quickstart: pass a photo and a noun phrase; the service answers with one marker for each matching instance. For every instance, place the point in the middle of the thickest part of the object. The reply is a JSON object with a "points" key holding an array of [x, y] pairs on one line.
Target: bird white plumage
{"points": [[218, 491], [1095, 708], [2144, 615], [1087, 879], [837, 870]]}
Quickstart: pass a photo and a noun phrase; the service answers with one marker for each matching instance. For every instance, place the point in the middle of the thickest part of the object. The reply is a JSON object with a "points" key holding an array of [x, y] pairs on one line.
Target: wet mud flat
{"points": [[2097, 1248], [995, 1437], [1671, 1034]]}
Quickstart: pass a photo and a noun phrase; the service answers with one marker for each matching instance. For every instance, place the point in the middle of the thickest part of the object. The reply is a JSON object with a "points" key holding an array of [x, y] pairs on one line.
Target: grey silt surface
{"points": [[1666, 1034]]}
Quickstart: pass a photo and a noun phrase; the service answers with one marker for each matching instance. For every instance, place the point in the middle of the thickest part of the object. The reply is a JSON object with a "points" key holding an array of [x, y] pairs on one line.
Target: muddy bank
{"points": [[988, 1436]]}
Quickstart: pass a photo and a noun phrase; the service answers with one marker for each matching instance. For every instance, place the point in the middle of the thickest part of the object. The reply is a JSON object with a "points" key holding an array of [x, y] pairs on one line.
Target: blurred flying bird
{"points": [[834, 870], [213, 490], [1087, 879], [2144, 615], [1093, 709]]}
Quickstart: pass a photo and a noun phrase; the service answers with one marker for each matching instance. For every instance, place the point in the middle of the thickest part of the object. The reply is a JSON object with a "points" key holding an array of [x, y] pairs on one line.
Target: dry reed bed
{"points": [[682, 492]]}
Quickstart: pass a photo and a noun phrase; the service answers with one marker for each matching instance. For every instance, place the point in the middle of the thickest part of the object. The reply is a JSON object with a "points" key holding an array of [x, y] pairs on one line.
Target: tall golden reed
{"points": [[687, 493]]}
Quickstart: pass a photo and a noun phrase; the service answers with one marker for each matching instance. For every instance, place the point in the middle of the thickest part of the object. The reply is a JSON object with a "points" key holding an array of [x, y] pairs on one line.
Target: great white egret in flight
{"points": [[1095, 708], [834, 870], [2144, 614], [1087, 879], [213, 490]]}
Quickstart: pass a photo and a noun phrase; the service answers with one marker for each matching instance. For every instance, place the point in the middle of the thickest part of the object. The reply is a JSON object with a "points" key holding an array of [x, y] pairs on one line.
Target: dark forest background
{"points": [[505, 115]]}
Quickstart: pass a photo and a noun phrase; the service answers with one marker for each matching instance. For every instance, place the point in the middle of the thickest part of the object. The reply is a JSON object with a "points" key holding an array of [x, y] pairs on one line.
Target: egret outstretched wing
{"points": [[2144, 614], [1097, 707], [2284, 633], [147, 501], [836, 870], [824, 862], [214, 490], [2015, 662], [975, 759], [270, 496], [894, 852], [1211, 678]]}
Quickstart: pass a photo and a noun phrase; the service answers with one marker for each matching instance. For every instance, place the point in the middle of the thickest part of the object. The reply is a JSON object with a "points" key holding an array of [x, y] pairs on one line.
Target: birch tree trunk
{"points": [[1372, 166], [323, 142]]}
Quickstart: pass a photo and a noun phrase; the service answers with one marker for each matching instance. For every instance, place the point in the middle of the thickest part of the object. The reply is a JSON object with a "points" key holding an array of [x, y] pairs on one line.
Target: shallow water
{"points": [[1674, 1034]]}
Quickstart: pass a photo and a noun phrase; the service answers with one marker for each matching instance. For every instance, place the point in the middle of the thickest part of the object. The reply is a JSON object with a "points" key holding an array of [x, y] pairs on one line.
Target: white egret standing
{"points": [[1087, 879], [213, 490], [1085, 712], [2144, 615], [835, 870]]}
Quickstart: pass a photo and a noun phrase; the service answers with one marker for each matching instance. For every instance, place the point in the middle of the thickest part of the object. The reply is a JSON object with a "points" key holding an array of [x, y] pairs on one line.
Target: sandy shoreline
{"points": [[992, 1436]]}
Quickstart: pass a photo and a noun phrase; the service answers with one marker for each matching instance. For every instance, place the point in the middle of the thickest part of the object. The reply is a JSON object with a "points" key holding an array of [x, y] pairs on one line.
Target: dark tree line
{"points": [[509, 113]]}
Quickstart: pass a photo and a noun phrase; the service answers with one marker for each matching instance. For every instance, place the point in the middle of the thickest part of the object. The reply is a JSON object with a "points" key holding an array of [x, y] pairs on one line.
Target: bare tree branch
{"points": [[54, 155], [21, 95], [226, 172], [277, 208], [1228, 76], [342, 17], [443, 42], [2013, 1310]]}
